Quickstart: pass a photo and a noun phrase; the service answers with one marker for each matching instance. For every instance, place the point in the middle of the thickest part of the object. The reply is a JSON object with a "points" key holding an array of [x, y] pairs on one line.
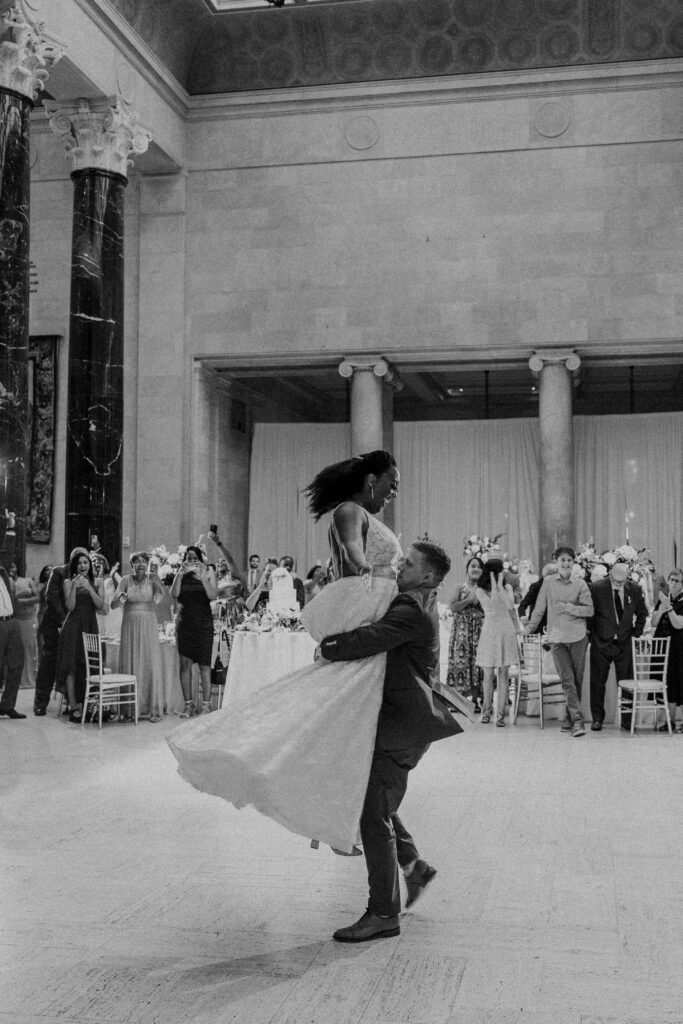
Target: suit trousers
{"points": [[386, 843], [47, 665], [11, 660], [603, 653]]}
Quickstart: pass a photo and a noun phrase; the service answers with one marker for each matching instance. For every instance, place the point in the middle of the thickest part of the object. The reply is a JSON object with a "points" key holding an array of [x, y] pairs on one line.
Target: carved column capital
{"points": [[99, 134], [555, 357], [378, 365], [26, 50]]}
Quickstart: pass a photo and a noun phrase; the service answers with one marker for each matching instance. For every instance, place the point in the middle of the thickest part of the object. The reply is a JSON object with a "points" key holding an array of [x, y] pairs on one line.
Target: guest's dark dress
{"points": [[70, 653], [674, 669], [194, 624], [463, 673]]}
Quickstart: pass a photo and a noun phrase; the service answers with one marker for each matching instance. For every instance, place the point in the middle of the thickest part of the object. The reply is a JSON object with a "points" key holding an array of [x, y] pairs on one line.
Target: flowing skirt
{"points": [[300, 750], [140, 655]]}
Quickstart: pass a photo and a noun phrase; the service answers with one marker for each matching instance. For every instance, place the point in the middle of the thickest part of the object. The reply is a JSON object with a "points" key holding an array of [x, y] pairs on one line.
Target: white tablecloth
{"points": [[258, 659]]}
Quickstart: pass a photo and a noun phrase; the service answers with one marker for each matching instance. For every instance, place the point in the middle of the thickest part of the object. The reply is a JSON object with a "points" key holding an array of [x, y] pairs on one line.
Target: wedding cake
{"points": [[282, 599]]}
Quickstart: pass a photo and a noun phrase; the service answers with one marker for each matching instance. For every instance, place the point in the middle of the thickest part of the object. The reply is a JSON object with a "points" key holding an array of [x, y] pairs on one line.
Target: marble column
{"points": [[556, 519], [99, 137], [26, 52]]}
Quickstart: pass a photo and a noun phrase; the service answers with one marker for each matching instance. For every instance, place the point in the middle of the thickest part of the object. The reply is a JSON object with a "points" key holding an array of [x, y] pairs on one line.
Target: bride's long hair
{"points": [[340, 481]]}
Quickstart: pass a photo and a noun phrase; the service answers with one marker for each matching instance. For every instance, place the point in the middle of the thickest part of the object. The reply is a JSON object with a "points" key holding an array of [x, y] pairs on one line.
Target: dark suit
{"points": [[411, 716], [529, 601], [11, 650], [610, 637], [55, 613]]}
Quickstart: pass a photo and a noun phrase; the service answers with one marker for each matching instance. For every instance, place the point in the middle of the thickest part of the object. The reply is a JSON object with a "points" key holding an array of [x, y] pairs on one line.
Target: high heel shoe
{"points": [[500, 721], [76, 716], [485, 715], [206, 708], [188, 711]]}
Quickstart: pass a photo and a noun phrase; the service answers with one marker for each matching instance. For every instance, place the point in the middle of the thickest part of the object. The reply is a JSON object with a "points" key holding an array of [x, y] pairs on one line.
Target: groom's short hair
{"points": [[434, 557]]}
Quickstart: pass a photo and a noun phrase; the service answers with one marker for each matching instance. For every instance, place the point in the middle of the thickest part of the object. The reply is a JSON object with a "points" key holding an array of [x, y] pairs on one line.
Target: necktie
{"points": [[618, 604]]}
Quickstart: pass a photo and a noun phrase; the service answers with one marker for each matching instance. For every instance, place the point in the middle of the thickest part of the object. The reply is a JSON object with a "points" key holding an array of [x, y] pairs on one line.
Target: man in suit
{"points": [[528, 602], [11, 648], [619, 613], [55, 613], [411, 716], [253, 573]]}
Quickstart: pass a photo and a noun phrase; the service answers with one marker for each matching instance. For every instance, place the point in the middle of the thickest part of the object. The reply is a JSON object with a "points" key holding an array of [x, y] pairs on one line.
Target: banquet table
{"points": [[258, 659]]}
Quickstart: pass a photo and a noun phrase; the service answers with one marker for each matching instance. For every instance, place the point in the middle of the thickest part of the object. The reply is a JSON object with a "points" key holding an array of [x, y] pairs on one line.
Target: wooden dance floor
{"points": [[128, 898]]}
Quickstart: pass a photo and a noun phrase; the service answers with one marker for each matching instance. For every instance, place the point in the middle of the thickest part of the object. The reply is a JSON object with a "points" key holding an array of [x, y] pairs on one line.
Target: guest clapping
{"points": [[468, 616], [194, 588], [497, 648], [140, 654], [83, 597], [667, 619]]}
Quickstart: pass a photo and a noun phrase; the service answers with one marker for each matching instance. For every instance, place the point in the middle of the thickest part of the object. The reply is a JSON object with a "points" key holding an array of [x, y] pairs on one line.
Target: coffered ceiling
{"points": [[217, 46]]}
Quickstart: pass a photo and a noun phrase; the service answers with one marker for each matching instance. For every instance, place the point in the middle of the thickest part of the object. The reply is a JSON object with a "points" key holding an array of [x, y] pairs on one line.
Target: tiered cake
{"points": [[282, 599]]}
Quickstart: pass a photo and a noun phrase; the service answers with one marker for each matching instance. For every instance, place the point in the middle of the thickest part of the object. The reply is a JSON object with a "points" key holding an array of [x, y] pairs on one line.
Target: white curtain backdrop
{"points": [[464, 477], [629, 475], [284, 459]]}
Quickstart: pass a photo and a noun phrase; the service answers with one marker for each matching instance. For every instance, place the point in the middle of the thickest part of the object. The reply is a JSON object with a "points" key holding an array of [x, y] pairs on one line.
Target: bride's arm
{"points": [[350, 526]]}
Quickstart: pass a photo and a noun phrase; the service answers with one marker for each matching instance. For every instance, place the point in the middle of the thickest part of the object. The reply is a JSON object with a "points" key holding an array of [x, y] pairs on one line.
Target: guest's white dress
{"points": [[300, 750]]}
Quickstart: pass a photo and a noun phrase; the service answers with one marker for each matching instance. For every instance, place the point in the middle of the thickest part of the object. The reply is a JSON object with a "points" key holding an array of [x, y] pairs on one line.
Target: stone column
{"points": [[99, 136], [26, 51], [367, 421], [556, 484]]}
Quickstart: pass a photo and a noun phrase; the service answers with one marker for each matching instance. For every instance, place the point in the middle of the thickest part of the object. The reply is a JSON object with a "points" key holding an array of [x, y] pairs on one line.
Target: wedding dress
{"points": [[299, 750]]}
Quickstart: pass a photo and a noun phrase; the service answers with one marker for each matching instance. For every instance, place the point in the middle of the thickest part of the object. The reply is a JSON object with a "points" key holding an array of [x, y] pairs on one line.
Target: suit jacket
{"points": [[412, 714], [603, 627], [55, 605], [11, 589], [529, 601]]}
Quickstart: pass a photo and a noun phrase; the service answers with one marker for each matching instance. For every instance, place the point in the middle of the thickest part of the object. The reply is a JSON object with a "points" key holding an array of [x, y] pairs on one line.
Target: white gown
{"points": [[300, 749]]}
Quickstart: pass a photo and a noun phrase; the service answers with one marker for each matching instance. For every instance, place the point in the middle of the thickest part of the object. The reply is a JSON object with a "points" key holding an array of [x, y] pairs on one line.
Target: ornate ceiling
{"points": [[380, 40]]}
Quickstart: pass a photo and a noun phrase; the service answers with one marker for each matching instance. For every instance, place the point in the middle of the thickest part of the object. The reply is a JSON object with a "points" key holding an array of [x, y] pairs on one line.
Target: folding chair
{"points": [[107, 687], [650, 659], [532, 675]]}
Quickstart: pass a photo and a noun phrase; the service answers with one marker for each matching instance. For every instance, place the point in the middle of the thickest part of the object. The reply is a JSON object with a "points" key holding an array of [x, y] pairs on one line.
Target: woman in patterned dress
{"points": [[463, 673]]}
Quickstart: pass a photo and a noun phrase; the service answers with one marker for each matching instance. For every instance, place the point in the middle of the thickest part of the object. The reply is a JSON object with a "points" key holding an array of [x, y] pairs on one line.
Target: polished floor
{"points": [[128, 897]]}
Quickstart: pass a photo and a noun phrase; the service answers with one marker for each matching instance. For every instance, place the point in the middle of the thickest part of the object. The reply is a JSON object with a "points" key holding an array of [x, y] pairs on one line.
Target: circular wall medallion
{"points": [[473, 13], [435, 56], [433, 13], [518, 48], [560, 45], [361, 133], [393, 58], [551, 120], [354, 61], [643, 37], [476, 52]]}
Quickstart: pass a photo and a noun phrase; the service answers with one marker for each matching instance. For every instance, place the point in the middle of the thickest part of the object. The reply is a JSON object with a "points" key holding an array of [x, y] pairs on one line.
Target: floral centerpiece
{"points": [[481, 546], [167, 562], [268, 621]]}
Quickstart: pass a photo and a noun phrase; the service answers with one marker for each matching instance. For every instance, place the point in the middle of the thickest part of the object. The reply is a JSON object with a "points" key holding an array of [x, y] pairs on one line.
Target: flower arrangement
{"points": [[596, 566], [268, 621], [167, 562], [481, 546]]}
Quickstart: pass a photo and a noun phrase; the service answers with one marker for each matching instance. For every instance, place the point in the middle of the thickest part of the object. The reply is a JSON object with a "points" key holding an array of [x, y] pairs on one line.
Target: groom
{"points": [[412, 715]]}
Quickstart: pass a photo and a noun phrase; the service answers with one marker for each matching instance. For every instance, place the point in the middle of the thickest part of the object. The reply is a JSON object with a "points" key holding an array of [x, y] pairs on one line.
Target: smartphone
{"points": [[213, 528]]}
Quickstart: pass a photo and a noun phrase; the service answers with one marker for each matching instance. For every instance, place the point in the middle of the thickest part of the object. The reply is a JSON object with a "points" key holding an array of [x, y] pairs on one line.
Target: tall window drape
{"points": [[465, 477]]}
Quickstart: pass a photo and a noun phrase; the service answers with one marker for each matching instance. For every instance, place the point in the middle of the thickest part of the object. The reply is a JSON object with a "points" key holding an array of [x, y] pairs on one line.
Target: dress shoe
{"points": [[39, 712], [11, 713], [369, 926], [596, 726], [418, 880]]}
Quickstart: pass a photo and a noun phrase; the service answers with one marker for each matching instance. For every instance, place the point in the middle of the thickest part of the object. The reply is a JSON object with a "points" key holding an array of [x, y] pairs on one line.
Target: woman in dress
{"points": [[463, 673], [231, 594], [667, 619], [140, 653], [497, 648], [194, 588], [26, 601], [83, 597], [110, 623], [300, 749]]}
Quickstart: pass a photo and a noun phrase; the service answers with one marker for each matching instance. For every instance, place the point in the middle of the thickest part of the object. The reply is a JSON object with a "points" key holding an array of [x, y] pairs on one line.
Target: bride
{"points": [[300, 749]]}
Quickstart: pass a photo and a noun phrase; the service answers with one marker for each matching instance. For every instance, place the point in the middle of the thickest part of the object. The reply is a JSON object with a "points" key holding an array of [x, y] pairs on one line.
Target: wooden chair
{"points": [[106, 687], [532, 676], [650, 659]]}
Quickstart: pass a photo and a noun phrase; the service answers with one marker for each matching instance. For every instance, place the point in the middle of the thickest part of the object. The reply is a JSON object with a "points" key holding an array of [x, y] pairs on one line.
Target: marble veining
{"points": [[95, 419], [14, 298]]}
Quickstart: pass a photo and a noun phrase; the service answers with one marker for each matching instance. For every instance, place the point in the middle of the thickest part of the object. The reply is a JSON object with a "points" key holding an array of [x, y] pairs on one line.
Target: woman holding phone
{"points": [[83, 597], [194, 588]]}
